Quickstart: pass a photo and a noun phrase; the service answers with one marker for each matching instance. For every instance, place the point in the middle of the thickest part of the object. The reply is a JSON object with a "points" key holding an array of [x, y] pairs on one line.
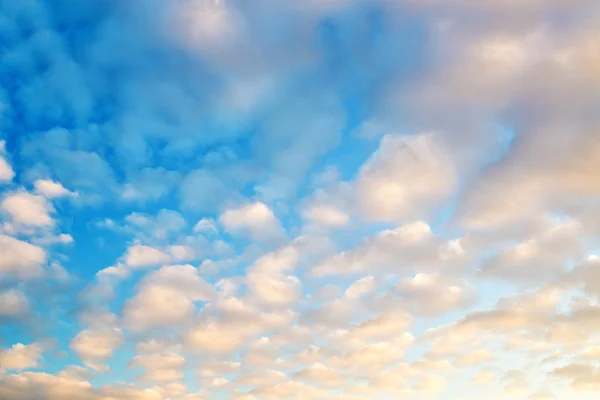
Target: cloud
{"points": [[97, 344], [267, 279], [13, 303], [51, 189], [166, 298], [28, 209], [539, 258], [160, 367], [326, 215], [20, 258], [405, 176], [21, 356], [433, 294], [386, 197], [206, 225], [255, 219], [406, 247], [140, 256]]}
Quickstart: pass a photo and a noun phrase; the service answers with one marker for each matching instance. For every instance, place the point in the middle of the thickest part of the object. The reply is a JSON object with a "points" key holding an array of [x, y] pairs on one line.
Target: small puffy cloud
{"points": [[361, 287], [206, 225], [28, 209], [326, 215], [20, 258], [386, 326], [166, 298], [267, 281], [63, 238], [434, 294], [97, 344], [13, 303], [160, 367], [400, 248], [140, 256], [539, 258], [321, 375], [21, 356], [405, 176], [255, 219], [162, 227], [235, 325], [51, 189]]}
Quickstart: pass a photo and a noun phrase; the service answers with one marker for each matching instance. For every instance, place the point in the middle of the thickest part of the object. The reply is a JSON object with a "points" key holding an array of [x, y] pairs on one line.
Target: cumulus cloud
{"points": [[166, 298], [405, 176], [401, 249], [51, 189], [255, 219], [21, 356], [13, 303], [435, 162], [140, 256], [97, 344], [20, 258], [28, 209]]}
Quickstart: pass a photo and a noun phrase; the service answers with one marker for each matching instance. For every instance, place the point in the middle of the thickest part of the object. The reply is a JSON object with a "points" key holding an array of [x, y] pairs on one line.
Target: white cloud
{"points": [[360, 288], [166, 298], [51, 189], [140, 256], [63, 238], [434, 294], [97, 343], [206, 225], [326, 215], [404, 177], [256, 219], [28, 209], [13, 303], [267, 281], [160, 367], [541, 257], [402, 248], [21, 258], [21, 356]]}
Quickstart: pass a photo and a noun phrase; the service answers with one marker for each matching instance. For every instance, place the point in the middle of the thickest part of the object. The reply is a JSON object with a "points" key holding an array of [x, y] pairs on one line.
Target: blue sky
{"points": [[326, 199]]}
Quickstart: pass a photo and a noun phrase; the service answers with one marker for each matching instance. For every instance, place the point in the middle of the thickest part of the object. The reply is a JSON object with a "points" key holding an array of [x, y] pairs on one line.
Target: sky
{"points": [[309, 200]]}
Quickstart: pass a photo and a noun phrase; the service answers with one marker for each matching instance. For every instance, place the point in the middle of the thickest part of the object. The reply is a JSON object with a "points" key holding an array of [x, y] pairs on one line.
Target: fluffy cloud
{"points": [[403, 248], [433, 294], [267, 281], [326, 215], [13, 303], [405, 176], [20, 258], [51, 189], [444, 204], [140, 256], [28, 209], [97, 343], [21, 356], [166, 298], [255, 219]]}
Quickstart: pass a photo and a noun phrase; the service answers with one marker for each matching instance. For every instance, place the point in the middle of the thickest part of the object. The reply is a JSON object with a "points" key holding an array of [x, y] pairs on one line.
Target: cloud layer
{"points": [[349, 199]]}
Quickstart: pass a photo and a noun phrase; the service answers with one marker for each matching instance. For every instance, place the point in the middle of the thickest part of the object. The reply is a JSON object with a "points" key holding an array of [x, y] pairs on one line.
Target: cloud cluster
{"points": [[345, 199]]}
